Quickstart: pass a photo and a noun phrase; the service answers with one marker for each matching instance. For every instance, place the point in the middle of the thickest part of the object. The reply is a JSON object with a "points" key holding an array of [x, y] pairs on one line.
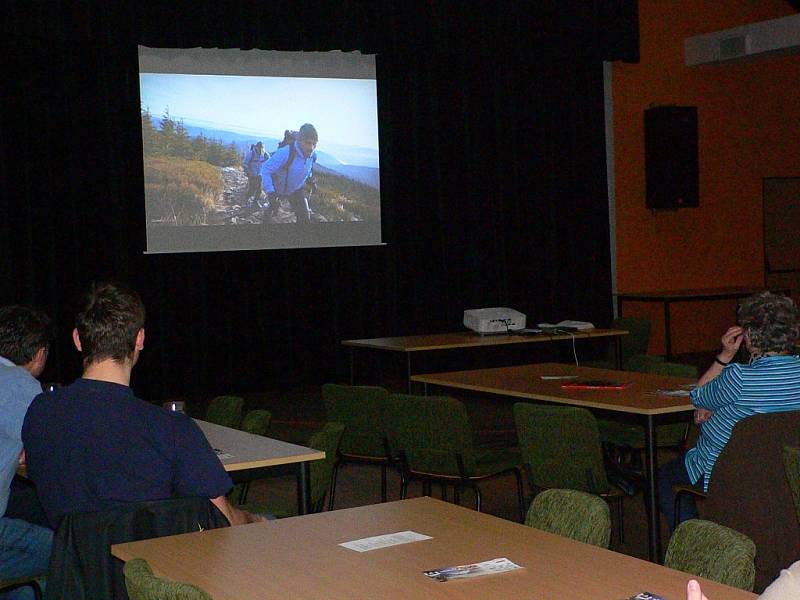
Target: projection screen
{"points": [[259, 149]]}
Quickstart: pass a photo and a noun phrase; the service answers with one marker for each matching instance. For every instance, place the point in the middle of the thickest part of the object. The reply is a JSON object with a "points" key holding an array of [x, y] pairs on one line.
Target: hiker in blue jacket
{"points": [[253, 162], [285, 174]]}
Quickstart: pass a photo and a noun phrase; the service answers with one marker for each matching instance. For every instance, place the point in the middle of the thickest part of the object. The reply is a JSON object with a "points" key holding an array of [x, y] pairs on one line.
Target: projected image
{"points": [[226, 151]]}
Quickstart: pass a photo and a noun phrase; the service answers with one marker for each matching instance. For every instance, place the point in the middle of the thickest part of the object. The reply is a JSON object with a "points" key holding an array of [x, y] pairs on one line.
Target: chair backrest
{"points": [[226, 411], [431, 432], [791, 461], [749, 492], [673, 369], [561, 446], [637, 339], [713, 551], [362, 410], [19, 583], [573, 514], [256, 422], [143, 585], [326, 439], [81, 565]]}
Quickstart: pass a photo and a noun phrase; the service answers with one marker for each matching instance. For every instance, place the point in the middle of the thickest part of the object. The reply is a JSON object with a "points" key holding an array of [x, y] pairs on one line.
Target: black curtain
{"points": [[493, 180]]}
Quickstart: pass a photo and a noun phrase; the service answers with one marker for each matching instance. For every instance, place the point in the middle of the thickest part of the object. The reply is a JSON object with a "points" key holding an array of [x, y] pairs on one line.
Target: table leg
{"points": [[303, 488], [352, 367], [651, 465], [408, 372], [667, 330]]}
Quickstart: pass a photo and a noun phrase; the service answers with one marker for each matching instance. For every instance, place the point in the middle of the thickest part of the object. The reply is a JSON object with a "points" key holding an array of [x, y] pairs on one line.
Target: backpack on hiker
{"points": [[289, 137]]}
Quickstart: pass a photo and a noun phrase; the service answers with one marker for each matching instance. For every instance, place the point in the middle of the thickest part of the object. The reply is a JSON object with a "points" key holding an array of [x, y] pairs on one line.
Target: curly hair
{"points": [[771, 322]]}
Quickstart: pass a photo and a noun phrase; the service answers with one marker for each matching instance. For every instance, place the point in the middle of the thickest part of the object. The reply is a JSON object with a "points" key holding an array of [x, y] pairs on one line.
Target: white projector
{"points": [[493, 320]]}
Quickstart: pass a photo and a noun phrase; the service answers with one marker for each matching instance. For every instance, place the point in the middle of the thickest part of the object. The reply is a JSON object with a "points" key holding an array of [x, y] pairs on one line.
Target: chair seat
{"points": [[489, 462]]}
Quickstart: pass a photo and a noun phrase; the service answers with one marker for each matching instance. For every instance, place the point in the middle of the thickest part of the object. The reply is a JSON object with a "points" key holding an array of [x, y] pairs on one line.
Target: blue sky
{"points": [[344, 111]]}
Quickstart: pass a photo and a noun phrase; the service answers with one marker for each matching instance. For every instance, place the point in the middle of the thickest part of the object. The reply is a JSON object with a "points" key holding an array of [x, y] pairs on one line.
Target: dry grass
{"points": [[180, 191]]}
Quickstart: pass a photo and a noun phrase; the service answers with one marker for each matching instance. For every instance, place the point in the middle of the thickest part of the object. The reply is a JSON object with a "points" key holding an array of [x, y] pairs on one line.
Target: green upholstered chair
{"points": [[327, 440], [226, 411], [633, 345], [707, 549], [569, 513], [432, 437], [669, 435], [560, 447], [362, 410], [791, 460], [255, 422], [143, 585], [9, 585]]}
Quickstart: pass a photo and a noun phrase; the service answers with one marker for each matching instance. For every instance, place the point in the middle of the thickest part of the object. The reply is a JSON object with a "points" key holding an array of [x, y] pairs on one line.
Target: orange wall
{"points": [[749, 128]]}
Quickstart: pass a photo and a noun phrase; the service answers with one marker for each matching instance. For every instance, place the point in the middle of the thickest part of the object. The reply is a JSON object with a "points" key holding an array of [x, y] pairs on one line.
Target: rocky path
{"points": [[232, 208]]}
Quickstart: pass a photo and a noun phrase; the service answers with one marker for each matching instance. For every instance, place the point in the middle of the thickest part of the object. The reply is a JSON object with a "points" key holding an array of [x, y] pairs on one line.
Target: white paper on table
{"points": [[384, 541], [665, 392]]}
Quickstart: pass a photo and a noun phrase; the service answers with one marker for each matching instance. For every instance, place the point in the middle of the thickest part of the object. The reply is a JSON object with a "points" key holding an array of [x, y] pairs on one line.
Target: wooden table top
{"points": [[470, 339], [300, 558], [249, 451], [525, 381], [697, 293]]}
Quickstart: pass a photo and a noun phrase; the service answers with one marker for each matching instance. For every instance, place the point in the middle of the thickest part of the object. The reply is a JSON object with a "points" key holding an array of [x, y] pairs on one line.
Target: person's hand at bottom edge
{"points": [[693, 591]]}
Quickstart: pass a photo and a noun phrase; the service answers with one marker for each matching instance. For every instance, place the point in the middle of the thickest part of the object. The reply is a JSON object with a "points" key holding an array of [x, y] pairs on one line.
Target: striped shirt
{"points": [[768, 384]]}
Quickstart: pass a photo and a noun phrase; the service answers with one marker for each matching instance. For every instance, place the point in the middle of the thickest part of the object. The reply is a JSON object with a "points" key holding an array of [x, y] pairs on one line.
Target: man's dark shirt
{"points": [[93, 445]]}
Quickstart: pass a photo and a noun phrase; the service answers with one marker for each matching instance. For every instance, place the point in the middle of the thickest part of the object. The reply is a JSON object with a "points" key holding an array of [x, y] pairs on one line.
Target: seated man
{"points": [[93, 445], [24, 337], [729, 392]]}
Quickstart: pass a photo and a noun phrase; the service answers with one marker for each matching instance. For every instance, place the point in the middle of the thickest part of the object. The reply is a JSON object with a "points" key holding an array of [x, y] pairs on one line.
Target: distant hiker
{"points": [[253, 162], [286, 173]]}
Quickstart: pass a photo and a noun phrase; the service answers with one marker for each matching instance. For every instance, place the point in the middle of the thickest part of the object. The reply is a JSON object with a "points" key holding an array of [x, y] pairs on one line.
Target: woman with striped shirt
{"points": [[729, 392]]}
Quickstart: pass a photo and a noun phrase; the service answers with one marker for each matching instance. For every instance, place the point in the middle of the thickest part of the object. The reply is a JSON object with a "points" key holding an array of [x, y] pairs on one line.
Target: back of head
{"points": [[771, 321], [108, 322], [23, 331]]}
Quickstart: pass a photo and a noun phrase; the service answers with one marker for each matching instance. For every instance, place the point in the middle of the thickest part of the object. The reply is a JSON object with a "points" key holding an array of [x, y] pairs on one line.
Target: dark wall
{"points": [[492, 165]]}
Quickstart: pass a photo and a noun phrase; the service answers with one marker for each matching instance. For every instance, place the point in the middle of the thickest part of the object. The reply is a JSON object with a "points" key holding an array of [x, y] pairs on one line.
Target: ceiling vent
{"points": [[776, 37]]}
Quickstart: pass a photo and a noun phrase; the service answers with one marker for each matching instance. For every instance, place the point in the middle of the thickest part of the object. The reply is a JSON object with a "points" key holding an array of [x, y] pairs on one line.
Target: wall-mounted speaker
{"points": [[670, 154]]}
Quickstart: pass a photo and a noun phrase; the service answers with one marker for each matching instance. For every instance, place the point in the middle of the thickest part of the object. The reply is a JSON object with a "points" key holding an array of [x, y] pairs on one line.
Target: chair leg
{"points": [[402, 478], [332, 491], [620, 521], [403, 489], [426, 488], [520, 495], [456, 494], [477, 498], [243, 495], [383, 483], [444, 491]]}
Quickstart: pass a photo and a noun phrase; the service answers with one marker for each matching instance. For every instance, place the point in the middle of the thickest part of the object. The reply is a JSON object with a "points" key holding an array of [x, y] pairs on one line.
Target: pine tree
{"points": [[231, 157], [215, 152], [199, 147], [167, 133], [182, 145], [149, 133]]}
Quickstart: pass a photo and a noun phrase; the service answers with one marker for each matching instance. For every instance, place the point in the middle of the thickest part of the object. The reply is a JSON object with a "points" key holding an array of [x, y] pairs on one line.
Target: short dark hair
{"points": [[23, 331], [771, 322], [308, 132], [110, 317]]}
